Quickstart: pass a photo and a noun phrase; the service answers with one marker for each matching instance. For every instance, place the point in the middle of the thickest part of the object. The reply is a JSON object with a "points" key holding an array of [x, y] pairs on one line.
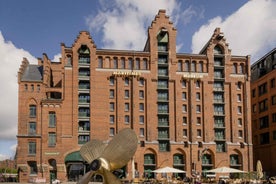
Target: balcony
{"points": [[84, 114], [163, 124], [84, 61], [163, 136]]}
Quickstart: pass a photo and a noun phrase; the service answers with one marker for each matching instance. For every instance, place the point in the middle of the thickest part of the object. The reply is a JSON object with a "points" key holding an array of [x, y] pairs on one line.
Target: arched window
{"points": [[123, 63], [84, 55], [145, 64], [187, 67], [193, 66], [100, 62], [200, 66], [137, 63], [235, 68], [115, 62], [130, 63], [179, 66], [218, 50]]}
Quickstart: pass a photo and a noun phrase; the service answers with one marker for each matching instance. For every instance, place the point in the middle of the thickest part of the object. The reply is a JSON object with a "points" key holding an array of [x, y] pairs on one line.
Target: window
{"points": [[253, 92], [141, 82], [235, 68], [142, 133], [198, 96], [141, 94], [38, 88], [32, 87], [111, 93], [186, 67], [111, 132], [144, 64], [264, 138], [184, 96], [198, 121], [183, 84], [111, 106], [193, 66], [239, 97], [141, 107], [198, 110], [126, 119], [274, 117], [184, 120], [262, 89], [179, 66], [240, 134], [32, 128], [254, 108], [33, 167], [126, 106], [141, 119], [111, 119], [100, 62], [52, 119], [239, 109], [163, 108], [239, 122], [263, 105], [137, 63], [219, 109], [185, 133], [26, 87], [274, 135], [111, 81], [198, 133], [32, 109], [130, 65], [239, 85], [264, 122], [273, 100], [272, 83], [32, 148], [115, 63], [197, 84], [184, 108], [126, 93], [123, 63], [51, 139], [126, 81], [200, 66]]}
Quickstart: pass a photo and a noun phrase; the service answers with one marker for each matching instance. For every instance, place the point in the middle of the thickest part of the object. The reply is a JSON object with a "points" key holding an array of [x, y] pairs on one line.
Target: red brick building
{"points": [[190, 111], [263, 88]]}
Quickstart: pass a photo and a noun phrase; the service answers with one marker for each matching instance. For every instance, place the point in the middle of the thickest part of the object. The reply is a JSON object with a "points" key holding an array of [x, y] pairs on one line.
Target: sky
{"points": [[29, 28]]}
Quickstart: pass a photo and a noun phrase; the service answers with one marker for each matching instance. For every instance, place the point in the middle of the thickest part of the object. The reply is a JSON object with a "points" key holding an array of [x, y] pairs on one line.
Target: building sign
{"points": [[126, 73], [51, 153], [193, 75]]}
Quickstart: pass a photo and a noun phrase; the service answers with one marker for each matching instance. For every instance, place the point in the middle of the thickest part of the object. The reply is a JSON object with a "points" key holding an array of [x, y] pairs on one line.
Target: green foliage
{"points": [[8, 170]]}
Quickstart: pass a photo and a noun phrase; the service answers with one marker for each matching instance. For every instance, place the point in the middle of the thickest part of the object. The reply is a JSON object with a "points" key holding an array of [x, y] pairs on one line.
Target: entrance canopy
{"points": [[74, 157]]}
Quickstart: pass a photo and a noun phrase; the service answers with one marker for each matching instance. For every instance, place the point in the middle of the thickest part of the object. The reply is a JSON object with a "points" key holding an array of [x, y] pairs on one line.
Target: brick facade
{"points": [[190, 111], [263, 86]]}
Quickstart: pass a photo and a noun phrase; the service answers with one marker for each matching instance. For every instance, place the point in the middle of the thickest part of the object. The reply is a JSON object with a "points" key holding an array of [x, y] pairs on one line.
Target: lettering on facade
{"points": [[126, 73], [51, 153], [193, 75]]}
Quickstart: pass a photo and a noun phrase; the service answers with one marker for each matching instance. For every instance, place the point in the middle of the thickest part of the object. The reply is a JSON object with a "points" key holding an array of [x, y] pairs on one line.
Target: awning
{"points": [[74, 157]]}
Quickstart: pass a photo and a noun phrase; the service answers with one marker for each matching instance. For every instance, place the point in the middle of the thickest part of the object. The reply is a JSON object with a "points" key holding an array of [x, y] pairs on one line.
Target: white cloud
{"points": [[249, 31], [127, 16], [56, 58], [11, 58]]}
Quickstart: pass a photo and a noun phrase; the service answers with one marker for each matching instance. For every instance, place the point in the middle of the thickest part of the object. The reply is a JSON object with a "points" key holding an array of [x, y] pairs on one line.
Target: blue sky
{"points": [[29, 28]]}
